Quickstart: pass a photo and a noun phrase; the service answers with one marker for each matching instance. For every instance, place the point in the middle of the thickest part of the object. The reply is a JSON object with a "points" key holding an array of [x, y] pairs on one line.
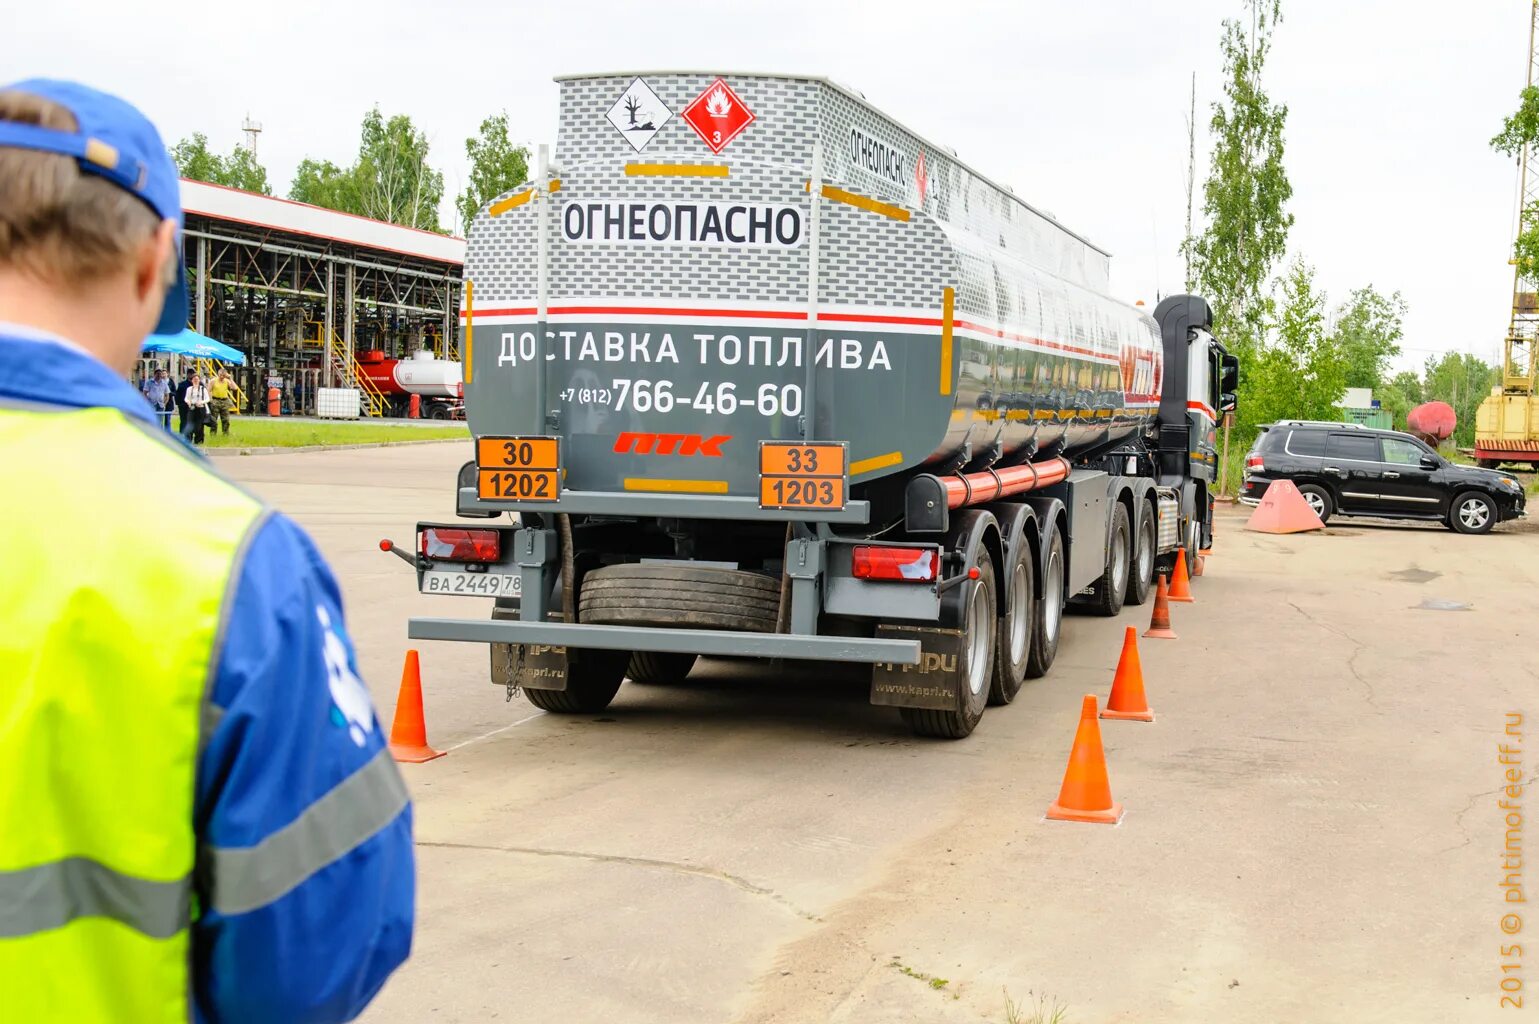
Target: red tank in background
{"points": [[1433, 422], [437, 381]]}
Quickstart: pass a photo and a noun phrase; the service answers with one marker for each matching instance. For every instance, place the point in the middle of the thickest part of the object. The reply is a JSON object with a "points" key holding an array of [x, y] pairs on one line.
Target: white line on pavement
{"points": [[500, 728]]}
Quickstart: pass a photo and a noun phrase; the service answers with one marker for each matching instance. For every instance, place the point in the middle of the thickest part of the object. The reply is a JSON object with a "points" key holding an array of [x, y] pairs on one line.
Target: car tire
{"points": [[1320, 500], [593, 679], [1471, 512], [1110, 589], [659, 667], [1047, 623], [980, 621], [1141, 572]]}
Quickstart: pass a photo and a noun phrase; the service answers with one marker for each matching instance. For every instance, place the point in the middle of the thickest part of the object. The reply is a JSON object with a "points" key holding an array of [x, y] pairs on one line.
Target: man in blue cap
{"points": [[199, 818]]}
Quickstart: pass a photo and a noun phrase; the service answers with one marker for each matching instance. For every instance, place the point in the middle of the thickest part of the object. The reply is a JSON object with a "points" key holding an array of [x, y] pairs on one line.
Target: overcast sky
{"points": [[1081, 107]]}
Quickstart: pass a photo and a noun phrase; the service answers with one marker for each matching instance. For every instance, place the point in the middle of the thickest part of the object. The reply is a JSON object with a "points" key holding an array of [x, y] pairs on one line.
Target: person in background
{"points": [[221, 393], [197, 399], [157, 391], [181, 403], [199, 818]]}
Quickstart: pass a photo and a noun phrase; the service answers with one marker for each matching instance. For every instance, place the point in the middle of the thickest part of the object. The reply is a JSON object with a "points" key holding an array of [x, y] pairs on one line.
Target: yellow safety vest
{"points": [[122, 551]]}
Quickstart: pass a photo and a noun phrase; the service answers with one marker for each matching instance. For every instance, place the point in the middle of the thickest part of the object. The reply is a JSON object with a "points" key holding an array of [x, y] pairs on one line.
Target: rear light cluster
{"points": [[445, 544], [1254, 461], [907, 565]]}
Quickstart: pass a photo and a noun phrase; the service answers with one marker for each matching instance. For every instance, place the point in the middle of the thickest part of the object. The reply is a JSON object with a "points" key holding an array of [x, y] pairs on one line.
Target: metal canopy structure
{"points": [[301, 289]]}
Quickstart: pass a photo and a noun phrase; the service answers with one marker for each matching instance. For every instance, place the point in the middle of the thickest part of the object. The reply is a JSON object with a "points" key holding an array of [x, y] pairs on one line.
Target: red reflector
{"points": [[913, 565], [453, 545]]}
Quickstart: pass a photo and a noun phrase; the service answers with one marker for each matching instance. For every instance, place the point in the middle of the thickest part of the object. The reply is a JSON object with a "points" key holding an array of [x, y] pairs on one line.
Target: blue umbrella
{"points": [[191, 343]]}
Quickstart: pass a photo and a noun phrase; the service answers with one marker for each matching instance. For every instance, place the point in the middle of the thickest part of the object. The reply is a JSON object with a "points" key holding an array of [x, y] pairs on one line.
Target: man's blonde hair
{"points": [[58, 223]]}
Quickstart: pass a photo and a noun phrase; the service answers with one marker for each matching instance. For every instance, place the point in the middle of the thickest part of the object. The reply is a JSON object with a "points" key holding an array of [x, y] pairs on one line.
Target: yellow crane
{"points": [[1507, 422]]}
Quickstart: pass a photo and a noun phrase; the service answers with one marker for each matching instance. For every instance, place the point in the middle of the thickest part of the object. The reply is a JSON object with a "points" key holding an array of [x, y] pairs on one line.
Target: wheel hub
{"points": [[1473, 513]]}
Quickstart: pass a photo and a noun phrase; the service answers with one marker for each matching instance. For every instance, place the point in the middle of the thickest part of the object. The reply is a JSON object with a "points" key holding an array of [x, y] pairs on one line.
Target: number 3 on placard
{"points": [[716, 138]]}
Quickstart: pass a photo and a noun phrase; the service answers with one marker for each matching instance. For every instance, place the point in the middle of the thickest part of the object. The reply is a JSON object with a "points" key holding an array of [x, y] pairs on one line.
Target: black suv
{"points": [[1347, 469]]}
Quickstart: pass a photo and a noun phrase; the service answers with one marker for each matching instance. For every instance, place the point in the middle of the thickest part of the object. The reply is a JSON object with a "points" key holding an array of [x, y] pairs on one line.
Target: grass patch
{"points": [[262, 432], [1035, 1009]]}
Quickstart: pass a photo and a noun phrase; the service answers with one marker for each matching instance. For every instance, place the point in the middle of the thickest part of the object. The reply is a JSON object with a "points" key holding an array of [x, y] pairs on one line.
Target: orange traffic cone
{"points": [[1159, 622], [408, 733], [1180, 582], [1127, 700], [1086, 792]]}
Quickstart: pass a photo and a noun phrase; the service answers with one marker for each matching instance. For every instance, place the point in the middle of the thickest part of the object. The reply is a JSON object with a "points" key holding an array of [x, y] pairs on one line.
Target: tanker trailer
{"points": [[436, 381], [765, 374]]}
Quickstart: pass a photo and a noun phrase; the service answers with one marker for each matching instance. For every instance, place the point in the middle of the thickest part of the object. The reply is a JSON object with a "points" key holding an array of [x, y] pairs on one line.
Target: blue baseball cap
{"points": [[116, 142]]}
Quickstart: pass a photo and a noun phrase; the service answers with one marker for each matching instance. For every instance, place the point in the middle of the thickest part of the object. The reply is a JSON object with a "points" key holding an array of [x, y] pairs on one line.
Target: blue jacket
{"points": [[321, 950]]}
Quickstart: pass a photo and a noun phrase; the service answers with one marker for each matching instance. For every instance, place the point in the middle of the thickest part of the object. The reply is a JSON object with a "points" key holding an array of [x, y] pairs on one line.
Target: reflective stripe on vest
{"points": [[122, 552]]}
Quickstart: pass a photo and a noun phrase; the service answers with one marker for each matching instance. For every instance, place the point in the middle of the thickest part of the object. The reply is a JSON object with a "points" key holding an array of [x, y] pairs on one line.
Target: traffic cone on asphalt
{"points": [[1086, 791], [1159, 622], [408, 732], [1180, 582], [1127, 700]]}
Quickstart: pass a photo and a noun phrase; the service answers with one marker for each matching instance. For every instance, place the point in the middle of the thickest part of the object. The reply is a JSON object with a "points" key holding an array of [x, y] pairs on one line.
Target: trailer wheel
{"points": [[979, 619], [1048, 622], [659, 667], [1012, 642], [593, 679], [679, 596], [1109, 590], [1141, 578]]}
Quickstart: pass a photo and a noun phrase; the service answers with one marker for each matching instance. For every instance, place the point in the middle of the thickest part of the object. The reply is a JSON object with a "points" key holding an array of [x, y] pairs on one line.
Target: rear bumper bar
{"points": [[682, 641]]}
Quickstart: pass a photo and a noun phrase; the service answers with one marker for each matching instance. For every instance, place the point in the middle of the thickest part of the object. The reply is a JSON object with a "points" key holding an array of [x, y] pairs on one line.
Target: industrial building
{"points": [[305, 292]]}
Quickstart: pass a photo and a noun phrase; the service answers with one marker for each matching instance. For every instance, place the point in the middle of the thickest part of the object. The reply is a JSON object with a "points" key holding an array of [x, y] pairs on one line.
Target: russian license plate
{"points": [[473, 584]]}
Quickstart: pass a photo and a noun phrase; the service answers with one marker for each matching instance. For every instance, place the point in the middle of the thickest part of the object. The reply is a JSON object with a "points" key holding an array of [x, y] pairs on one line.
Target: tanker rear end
{"points": [[765, 374]]}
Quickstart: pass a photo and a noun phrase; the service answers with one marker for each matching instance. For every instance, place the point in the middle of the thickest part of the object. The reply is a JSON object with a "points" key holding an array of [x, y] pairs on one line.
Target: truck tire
{"points": [[593, 679], [659, 667], [1141, 573], [980, 617], [1319, 499], [1471, 512], [1012, 635], [1108, 591], [680, 597], [1047, 626]]}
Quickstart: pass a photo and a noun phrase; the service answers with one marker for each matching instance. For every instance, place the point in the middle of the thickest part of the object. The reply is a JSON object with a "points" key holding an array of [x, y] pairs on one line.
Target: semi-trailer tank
{"points": [[436, 381], [764, 373]]}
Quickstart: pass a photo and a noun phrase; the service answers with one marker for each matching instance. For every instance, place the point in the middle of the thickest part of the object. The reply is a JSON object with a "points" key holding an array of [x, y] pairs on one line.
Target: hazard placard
{"points": [[718, 115]]}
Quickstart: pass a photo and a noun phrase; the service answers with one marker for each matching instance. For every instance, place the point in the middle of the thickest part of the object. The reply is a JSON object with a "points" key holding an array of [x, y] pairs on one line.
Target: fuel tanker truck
{"points": [[755, 371], [435, 381]]}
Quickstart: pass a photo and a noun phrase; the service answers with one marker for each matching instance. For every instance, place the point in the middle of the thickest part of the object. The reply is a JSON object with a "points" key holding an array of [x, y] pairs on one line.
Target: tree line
{"points": [[1298, 352], [389, 179]]}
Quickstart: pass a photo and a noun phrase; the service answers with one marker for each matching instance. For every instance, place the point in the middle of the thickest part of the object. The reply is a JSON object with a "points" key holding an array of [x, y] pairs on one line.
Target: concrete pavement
{"points": [[1312, 830]]}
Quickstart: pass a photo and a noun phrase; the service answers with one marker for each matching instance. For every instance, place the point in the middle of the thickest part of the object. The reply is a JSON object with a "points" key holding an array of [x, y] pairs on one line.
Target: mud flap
{"points": [[934, 683], [530, 666]]}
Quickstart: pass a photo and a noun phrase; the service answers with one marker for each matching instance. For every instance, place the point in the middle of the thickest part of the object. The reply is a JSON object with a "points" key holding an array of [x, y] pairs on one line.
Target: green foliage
{"points": [[240, 169], [323, 183], [1247, 189], [1522, 128], [1301, 374], [496, 166], [390, 181], [1368, 328], [1463, 381], [1521, 131], [1399, 396]]}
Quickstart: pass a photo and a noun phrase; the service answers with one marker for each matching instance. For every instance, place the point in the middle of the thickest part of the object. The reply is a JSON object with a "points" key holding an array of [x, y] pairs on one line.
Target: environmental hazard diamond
{"points": [[638, 115], [718, 115]]}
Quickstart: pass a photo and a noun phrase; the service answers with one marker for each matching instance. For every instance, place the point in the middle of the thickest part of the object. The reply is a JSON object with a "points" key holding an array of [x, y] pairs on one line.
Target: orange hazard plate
{"points": [[518, 453], [791, 492], [518, 484], [803, 476]]}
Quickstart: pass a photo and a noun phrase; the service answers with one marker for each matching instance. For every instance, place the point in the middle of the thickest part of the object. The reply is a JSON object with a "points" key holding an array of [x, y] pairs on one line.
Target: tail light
{"points": [[446, 544], [909, 565], [1254, 461]]}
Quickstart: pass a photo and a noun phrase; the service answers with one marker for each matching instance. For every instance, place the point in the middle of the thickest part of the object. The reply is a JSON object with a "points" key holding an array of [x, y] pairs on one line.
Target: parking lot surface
{"points": [[1312, 830]]}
